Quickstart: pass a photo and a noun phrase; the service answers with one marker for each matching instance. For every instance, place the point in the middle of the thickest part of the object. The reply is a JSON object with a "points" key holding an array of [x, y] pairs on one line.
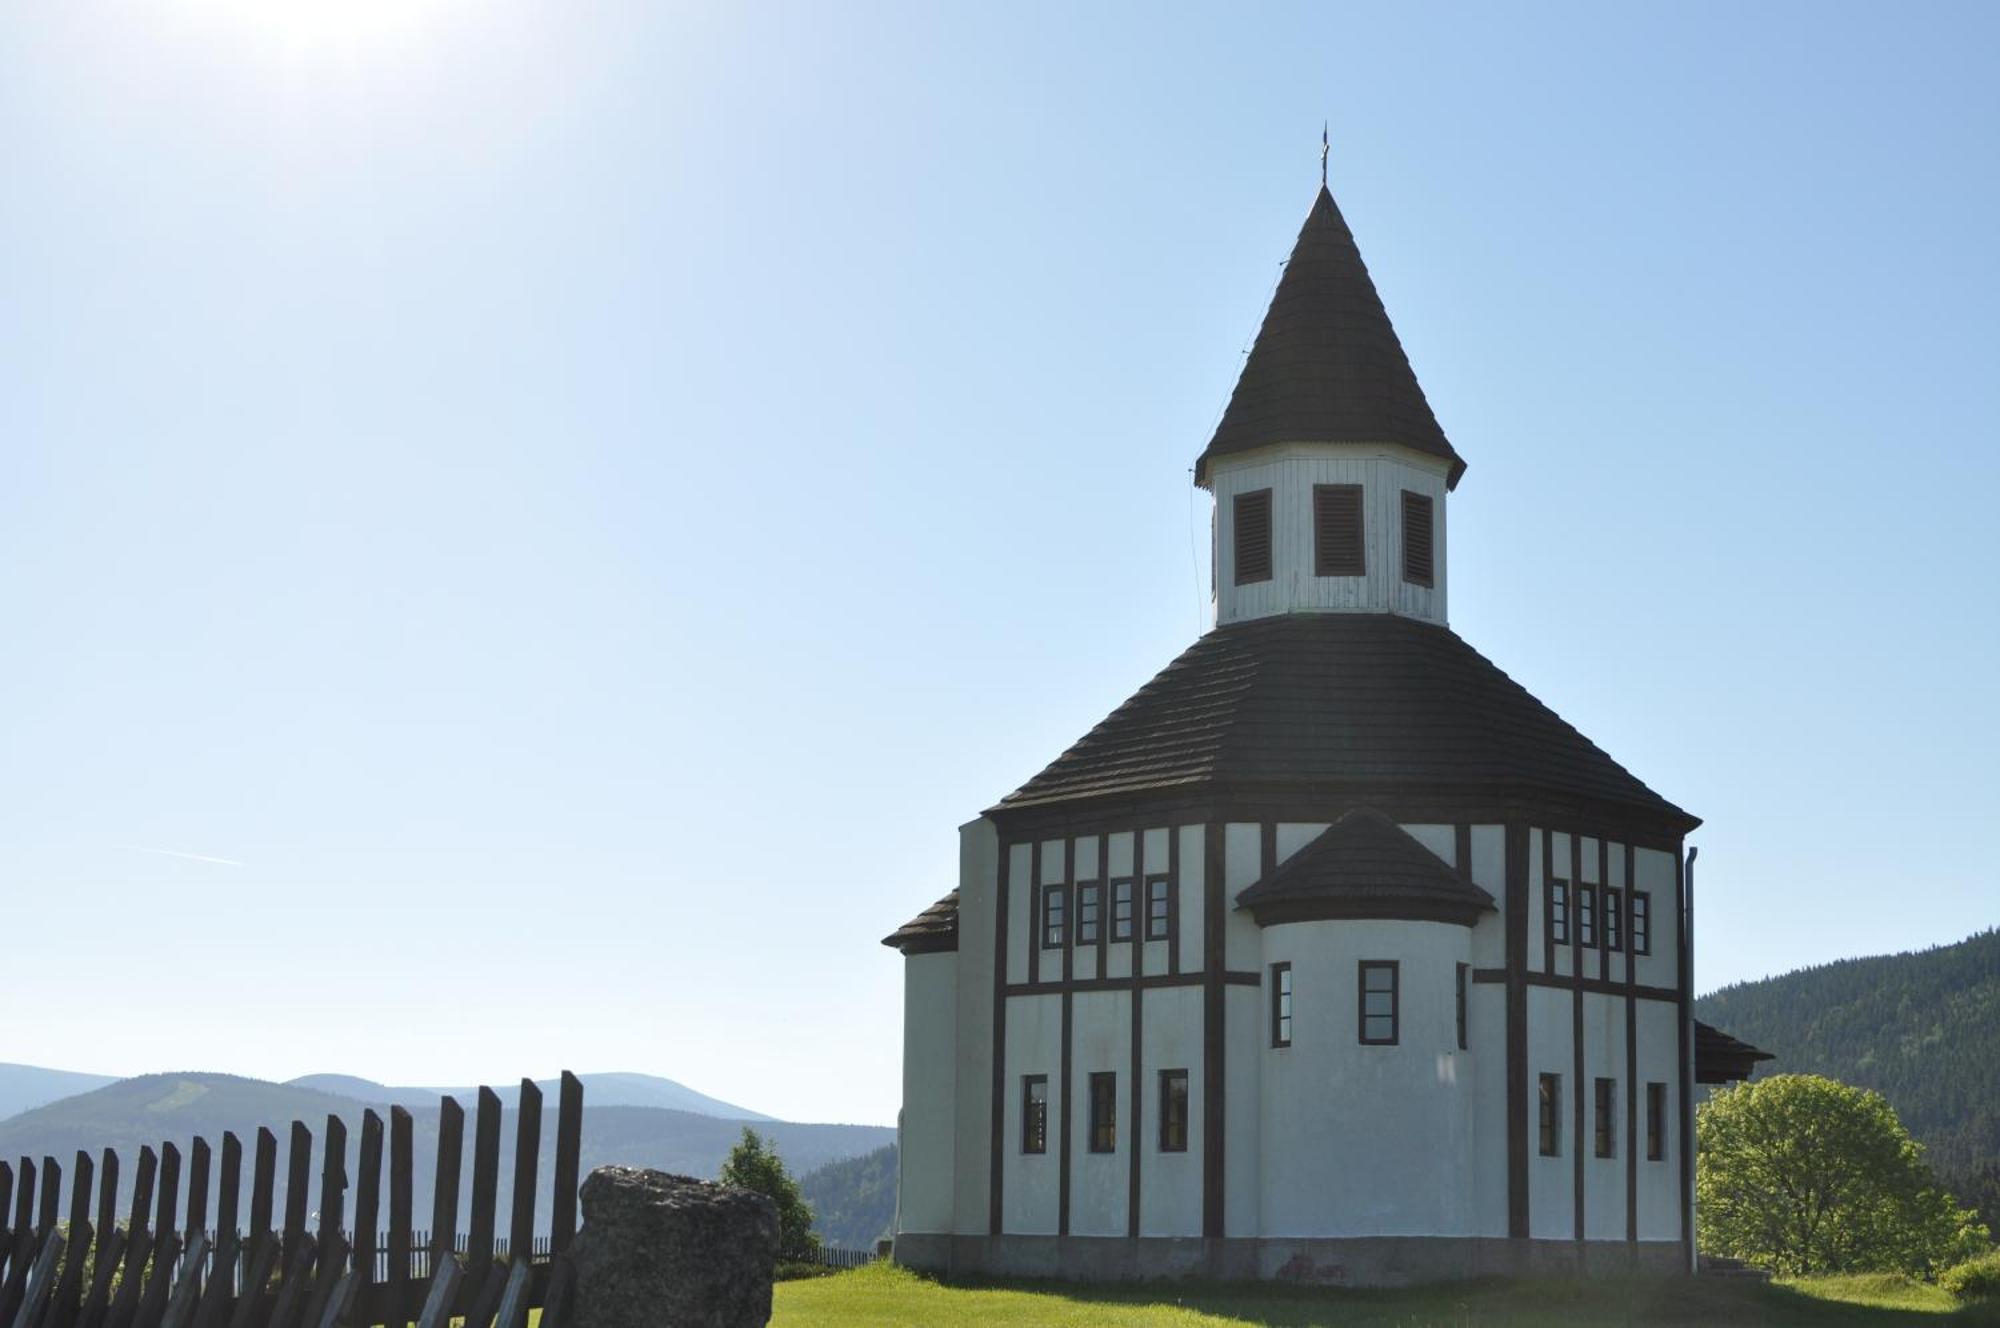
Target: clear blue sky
{"points": [[576, 503]]}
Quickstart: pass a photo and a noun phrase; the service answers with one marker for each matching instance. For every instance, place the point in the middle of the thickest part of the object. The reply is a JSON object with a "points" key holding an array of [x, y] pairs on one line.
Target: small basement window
{"points": [[1380, 1018], [1337, 535], [1419, 540], [1251, 524]]}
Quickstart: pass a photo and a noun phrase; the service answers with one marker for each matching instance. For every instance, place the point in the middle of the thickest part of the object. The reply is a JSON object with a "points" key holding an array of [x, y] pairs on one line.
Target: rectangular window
{"points": [[1586, 915], [1605, 1114], [1089, 912], [1559, 912], [1281, 1005], [1121, 910], [1035, 1113], [1055, 917], [1419, 566], [1104, 1112], [1157, 916], [1656, 1122], [1614, 919], [1551, 1115], [1642, 923], [1173, 1111], [1464, 976], [1379, 1015], [1252, 524], [1337, 540]]}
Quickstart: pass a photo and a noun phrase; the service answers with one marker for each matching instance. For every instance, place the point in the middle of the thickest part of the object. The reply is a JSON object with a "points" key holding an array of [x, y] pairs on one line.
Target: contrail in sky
{"points": [[191, 857]]}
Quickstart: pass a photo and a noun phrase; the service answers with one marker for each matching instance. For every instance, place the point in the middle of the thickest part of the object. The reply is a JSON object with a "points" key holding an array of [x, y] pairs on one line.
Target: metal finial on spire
{"points": [[1322, 153]]}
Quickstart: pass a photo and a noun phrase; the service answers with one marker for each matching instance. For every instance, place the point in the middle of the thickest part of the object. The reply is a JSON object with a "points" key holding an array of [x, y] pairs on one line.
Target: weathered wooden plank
{"points": [[197, 1191], [332, 1268], [294, 1288], [402, 1196], [187, 1286], [445, 1278], [21, 1257], [298, 1180], [263, 1257], [217, 1295], [51, 1209], [339, 1308], [131, 1278], [332, 1186], [263, 1182], [444, 1193], [107, 1192], [168, 1214], [527, 1155], [68, 1295], [491, 1284], [485, 1183], [228, 1188], [142, 1190], [41, 1281], [561, 1290], [569, 1149], [153, 1300], [368, 1196], [104, 1269], [513, 1312]]}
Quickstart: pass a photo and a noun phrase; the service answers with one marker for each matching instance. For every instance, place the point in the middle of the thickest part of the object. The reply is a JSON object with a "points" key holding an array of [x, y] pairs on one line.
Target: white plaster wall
{"points": [[1604, 1177], [978, 880], [1366, 1140], [1659, 1061], [1023, 926], [1439, 839], [1489, 873], [1029, 1189], [1295, 835], [928, 1125], [1537, 905], [1486, 1061], [1242, 864], [1290, 472], [1654, 871], [1170, 1183], [1193, 867], [1101, 1031], [1243, 1026], [1551, 1180]]}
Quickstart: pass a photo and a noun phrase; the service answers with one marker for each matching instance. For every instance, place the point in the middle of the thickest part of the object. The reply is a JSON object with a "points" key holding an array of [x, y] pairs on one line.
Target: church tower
{"points": [[1332, 954]]}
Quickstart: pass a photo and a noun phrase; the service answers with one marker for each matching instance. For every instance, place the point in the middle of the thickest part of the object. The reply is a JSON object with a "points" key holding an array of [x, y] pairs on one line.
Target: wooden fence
{"points": [[155, 1271]]}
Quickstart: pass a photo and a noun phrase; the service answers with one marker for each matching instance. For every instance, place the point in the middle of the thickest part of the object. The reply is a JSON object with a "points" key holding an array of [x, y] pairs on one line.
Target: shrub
{"points": [[1974, 1279]]}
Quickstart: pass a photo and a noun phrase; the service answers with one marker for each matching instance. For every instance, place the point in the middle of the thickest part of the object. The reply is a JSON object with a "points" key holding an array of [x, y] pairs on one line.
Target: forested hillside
{"points": [[1923, 1029], [854, 1200]]}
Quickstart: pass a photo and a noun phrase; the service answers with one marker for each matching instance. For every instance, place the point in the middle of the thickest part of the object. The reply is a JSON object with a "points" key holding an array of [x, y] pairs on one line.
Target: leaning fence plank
{"points": [[294, 1289], [485, 1182], [153, 1300], [332, 1268], [488, 1300], [368, 1196], [21, 1259], [170, 1191], [443, 1295], [569, 1148], [41, 1282], [68, 1295], [332, 1186], [263, 1181], [444, 1193], [557, 1295], [514, 1301], [249, 1302], [197, 1213], [51, 1211], [107, 1192], [97, 1303], [138, 1249], [187, 1287], [527, 1154], [339, 1307], [297, 1184], [213, 1309], [401, 1198], [229, 1186]]}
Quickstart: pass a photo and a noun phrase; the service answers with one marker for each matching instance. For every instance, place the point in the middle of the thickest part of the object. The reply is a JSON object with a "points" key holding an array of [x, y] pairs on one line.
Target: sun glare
{"points": [[334, 28]]}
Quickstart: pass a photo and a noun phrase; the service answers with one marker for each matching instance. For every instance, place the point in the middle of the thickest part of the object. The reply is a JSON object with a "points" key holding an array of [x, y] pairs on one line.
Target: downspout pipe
{"points": [[1687, 1070]]}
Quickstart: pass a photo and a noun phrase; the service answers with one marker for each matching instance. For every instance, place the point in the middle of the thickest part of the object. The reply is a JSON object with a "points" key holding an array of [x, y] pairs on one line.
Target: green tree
{"points": [[754, 1165], [1805, 1175]]}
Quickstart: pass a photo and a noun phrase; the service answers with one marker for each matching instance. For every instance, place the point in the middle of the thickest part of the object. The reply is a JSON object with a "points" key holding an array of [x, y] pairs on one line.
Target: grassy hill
{"points": [[1921, 1028], [132, 1112]]}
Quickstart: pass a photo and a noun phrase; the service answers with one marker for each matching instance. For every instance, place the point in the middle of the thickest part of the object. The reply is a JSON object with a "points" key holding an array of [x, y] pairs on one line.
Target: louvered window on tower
{"points": [[1252, 522], [1418, 540], [1337, 544]]}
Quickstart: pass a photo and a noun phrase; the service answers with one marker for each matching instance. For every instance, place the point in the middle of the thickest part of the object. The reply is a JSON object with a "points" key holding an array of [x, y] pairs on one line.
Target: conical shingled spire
{"points": [[1327, 366]]}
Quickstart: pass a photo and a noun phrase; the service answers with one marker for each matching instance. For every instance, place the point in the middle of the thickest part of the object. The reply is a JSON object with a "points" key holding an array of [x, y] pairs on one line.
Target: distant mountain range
{"points": [[1921, 1028], [601, 1090], [127, 1114], [25, 1087]]}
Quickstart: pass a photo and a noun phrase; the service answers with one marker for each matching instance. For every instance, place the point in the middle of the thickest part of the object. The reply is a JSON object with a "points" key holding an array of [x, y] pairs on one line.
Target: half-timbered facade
{"points": [[1332, 954]]}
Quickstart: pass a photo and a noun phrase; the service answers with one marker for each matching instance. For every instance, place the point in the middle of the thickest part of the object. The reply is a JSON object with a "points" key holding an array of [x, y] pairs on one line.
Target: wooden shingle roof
{"points": [[1327, 365], [1341, 704], [930, 932], [1722, 1059], [1364, 866]]}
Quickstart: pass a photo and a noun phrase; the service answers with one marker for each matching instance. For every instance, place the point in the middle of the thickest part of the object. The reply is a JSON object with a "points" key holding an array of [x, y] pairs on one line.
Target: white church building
{"points": [[1332, 955]]}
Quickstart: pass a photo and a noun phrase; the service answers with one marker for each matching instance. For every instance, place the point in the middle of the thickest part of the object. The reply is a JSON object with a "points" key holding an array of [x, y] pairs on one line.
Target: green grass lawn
{"points": [[884, 1297]]}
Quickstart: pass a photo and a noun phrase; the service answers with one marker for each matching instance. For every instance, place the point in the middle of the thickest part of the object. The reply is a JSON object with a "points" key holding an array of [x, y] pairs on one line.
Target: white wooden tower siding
{"points": [[1332, 955]]}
